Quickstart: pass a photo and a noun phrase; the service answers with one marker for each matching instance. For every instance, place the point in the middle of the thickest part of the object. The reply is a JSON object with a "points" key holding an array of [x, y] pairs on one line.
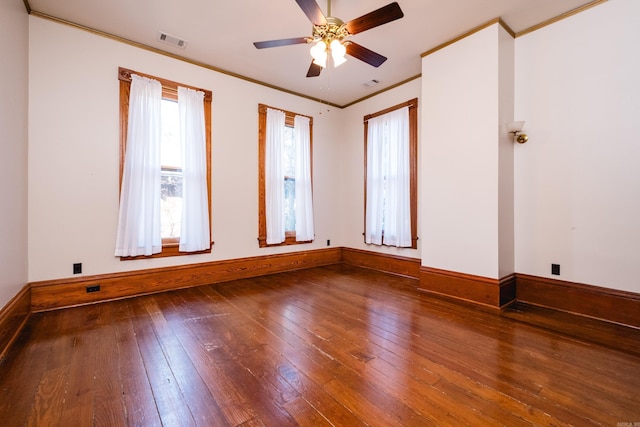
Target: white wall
{"points": [[14, 28], [73, 154], [506, 58], [577, 180], [460, 134], [576, 184], [351, 155]]}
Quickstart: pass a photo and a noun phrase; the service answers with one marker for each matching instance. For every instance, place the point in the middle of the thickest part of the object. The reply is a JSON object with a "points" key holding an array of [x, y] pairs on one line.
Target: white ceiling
{"points": [[221, 34]]}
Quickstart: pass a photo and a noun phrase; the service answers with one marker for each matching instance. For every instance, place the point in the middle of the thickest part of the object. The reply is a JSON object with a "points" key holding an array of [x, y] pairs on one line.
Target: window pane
{"points": [[171, 175], [170, 152], [289, 204], [289, 169], [171, 202], [288, 153]]}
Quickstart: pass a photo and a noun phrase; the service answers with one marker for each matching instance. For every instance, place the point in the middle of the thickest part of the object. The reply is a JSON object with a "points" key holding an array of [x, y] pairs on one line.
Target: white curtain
{"points": [[304, 199], [388, 208], [274, 177], [139, 230], [194, 231]]}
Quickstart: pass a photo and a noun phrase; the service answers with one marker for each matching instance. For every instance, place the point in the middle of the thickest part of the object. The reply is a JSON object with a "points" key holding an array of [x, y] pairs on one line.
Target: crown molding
{"points": [[469, 33], [510, 31], [494, 21], [371, 95], [174, 56], [560, 17]]}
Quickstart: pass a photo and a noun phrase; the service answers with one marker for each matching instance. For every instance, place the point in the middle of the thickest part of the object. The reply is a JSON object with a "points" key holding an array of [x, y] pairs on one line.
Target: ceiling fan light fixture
{"points": [[322, 60], [319, 53], [338, 52]]}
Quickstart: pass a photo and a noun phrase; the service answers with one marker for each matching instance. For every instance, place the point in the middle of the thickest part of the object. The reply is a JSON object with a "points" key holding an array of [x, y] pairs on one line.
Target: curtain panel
{"points": [[304, 198], [139, 231], [194, 234], [274, 188]]}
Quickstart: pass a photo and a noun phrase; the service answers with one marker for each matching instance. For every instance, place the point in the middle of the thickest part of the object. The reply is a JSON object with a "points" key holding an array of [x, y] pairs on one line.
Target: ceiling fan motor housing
{"points": [[333, 30]]}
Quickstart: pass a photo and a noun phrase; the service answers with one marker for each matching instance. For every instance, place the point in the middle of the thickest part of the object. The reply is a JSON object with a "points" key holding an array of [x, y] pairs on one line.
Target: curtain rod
{"points": [[410, 103], [124, 74]]}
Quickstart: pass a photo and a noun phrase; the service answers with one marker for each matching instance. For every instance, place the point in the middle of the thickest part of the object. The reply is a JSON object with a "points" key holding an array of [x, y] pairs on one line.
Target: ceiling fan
{"points": [[330, 33]]}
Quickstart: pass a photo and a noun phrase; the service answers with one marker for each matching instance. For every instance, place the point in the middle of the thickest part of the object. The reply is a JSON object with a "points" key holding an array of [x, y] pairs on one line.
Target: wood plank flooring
{"points": [[335, 345]]}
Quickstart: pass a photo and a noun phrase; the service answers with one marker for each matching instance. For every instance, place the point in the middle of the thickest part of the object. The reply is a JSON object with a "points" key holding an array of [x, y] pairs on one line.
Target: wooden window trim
{"points": [[413, 162], [170, 246], [290, 236]]}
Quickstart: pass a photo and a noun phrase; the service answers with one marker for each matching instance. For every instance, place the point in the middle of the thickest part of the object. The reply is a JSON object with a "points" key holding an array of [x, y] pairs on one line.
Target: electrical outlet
{"points": [[555, 269], [94, 288], [328, 242], [77, 268]]}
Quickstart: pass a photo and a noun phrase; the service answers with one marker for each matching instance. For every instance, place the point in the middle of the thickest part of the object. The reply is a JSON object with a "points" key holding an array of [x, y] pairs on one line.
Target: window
{"points": [[183, 228], [285, 214], [391, 152]]}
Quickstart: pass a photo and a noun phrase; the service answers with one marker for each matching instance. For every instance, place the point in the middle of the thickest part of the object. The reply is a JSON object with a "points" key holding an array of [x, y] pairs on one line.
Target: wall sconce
{"points": [[515, 128]]}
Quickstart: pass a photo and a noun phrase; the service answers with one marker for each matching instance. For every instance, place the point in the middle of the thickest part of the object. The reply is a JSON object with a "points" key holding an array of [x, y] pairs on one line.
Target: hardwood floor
{"points": [[333, 345]]}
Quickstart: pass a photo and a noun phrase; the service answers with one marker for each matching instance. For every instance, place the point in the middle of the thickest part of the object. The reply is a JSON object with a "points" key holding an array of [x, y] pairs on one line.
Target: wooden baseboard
{"points": [[403, 266], [586, 300], [54, 294], [494, 293], [13, 318], [600, 303]]}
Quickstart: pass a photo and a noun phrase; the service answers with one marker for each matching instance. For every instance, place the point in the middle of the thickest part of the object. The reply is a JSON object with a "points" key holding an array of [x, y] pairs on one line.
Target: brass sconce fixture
{"points": [[515, 128]]}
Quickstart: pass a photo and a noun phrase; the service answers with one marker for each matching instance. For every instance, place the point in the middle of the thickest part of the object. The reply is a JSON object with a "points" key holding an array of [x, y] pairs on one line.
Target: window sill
{"points": [[288, 240], [168, 250]]}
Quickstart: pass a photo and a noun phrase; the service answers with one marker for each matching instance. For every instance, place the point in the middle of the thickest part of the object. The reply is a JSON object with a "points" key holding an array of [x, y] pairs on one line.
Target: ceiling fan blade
{"points": [[385, 14], [313, 11], [364, 54], [314, 70], [281, 42]]}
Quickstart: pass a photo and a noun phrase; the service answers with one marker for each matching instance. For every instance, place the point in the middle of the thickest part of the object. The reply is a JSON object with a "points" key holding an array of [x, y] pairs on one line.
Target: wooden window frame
{"points": [[170, 246], [290, 236], [413, 163]]}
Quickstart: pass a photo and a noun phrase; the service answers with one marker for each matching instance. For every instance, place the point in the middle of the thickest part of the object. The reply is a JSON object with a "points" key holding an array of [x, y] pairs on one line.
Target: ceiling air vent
{"points": [[172, 40], [371, 83]]}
